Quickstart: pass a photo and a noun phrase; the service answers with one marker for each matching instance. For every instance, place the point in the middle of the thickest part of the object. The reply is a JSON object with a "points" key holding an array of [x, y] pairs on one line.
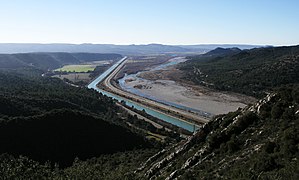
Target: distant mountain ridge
{"points": [[215, 53], [47, 61], [214, 46], [111, 48]]}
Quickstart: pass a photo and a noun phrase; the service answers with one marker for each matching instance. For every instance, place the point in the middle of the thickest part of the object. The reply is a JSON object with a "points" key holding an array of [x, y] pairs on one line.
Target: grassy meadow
{"points": [[77, 68]]}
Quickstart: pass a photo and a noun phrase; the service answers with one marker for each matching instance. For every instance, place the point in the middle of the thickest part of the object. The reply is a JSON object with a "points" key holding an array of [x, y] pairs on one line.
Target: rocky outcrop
{"points": [[221, 133]]}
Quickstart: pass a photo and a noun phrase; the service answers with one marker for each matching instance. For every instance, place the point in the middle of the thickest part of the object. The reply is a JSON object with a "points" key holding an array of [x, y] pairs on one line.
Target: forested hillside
{"points": [[253, 72], [218, 52], [47, 120], [258, 142], [50, 61]]}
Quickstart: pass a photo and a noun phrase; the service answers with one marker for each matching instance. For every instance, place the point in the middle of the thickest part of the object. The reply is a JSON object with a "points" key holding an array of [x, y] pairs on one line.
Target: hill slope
{"points": [[61, 135], [252, 72], [257, 142], [223, 51], [50, 61], [46, 119]]}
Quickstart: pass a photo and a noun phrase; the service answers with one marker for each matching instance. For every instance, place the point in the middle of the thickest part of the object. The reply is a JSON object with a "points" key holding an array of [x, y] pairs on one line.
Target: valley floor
{"points": [[198, 98], [166, 85]]}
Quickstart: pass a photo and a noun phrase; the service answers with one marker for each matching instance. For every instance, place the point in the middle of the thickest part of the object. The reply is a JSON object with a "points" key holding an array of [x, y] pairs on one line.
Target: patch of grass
{"points": [[77, 68]]}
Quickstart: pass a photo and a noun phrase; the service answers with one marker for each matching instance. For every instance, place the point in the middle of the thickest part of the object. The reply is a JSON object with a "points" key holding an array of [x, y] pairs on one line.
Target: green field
{"points": [[77, 68]]}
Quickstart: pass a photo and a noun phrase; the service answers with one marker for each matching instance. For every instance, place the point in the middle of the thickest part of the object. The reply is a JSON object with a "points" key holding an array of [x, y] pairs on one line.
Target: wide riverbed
{"points": [[200, 100]]}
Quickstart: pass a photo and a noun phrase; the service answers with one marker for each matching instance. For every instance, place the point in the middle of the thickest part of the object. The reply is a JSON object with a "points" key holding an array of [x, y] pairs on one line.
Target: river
{"points": [[93, 85], [174, 61]]}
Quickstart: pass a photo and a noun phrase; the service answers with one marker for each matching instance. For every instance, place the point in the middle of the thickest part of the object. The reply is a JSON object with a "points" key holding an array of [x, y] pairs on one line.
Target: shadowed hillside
{"points": [[48, 120], [50, 61]]}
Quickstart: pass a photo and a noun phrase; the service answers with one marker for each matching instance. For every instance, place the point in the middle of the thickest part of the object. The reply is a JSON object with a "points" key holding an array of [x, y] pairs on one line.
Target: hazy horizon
{"points": [[140, 44], [166, 22]]}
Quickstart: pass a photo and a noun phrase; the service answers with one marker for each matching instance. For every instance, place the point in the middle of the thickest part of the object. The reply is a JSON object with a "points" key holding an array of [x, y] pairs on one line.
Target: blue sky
{"points": [[267, 22]]}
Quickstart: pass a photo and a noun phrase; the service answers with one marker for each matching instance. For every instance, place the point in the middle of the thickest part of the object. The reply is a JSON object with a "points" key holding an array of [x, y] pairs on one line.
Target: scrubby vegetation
{"points": [[50, 61], [258, 142], [48, 120], [252, 72], [110, 166]]}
